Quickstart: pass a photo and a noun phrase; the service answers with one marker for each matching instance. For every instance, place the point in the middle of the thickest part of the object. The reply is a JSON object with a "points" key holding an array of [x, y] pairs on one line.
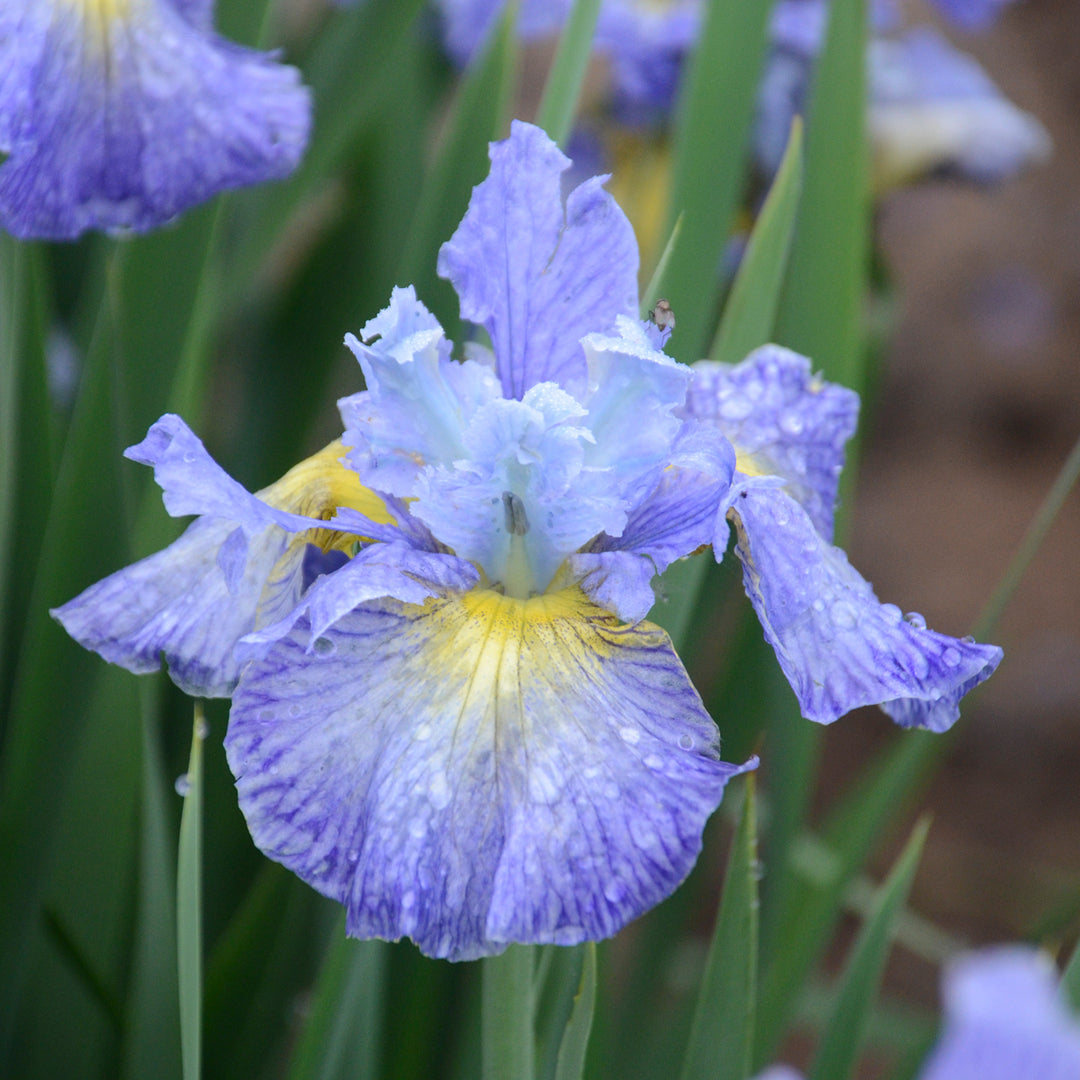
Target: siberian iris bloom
{"points": [[448, 710], [932, 109], [120, 114], [1004, 1020]]}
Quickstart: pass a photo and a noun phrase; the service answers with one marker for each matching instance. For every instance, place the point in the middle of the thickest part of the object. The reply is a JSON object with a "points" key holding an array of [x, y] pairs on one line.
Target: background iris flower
{"points": [[121, 114], [448, 711]]}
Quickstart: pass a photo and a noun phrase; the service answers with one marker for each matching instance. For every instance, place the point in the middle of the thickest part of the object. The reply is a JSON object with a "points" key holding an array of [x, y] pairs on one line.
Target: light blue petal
{"points": [[838, 646], [536, 274], [618, 581], [418, 403], [123, 120], [393, 570], [782, 420], [193, 483], [1004, 1020], [180, 604], [478, 771], [934, 110]]}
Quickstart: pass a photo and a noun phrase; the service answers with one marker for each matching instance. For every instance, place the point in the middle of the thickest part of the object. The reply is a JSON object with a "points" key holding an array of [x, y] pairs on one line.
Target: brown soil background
{"points": [[979, 406]]}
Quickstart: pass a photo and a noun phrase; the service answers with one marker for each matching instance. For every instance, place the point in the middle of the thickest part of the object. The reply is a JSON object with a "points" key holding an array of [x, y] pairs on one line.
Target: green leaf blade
{"points": [[751, 308], [721, 1035], [563, 87], [842, 1039], [714, 115], [189, 905]]}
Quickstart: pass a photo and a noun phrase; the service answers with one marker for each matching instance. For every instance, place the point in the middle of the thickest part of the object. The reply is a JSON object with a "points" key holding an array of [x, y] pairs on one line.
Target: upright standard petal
{"points": [[480, 770], [122, 114], [837, 644], [782, 420], [539, 275]]}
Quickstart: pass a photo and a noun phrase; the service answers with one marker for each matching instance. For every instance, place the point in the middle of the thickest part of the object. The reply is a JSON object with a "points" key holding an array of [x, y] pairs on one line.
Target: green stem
{"points": [[508, 1010]]}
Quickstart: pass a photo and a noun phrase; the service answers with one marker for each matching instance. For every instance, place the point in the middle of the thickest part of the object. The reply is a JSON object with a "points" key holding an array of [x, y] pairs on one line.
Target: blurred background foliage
{"points": [[234, 316]]}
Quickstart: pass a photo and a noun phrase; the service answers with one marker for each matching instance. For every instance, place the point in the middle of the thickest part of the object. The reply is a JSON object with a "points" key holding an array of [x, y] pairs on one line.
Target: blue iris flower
{"points": [[120, 114], [448, 710], [1004, 1020]]}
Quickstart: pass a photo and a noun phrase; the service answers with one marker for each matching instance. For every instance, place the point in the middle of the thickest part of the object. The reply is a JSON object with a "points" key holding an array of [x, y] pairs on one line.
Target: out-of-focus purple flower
{"points": [[931, 108], [1004, 1020], [120, 114], [972, 14]]}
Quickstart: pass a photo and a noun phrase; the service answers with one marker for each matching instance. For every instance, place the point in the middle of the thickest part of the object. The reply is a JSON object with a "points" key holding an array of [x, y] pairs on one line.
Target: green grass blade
{"points": [[348, 68], [480, 114], [721, 1036], [341, 1036], [715, 110], [26, 453], [1040, 525], [751, 307], [151, 1044], [567, 74], [189, 904], [1070, 981], [804, 920], [575, 1042], [842, 1039], [821, 309], [652, 291], [507, 1015]]}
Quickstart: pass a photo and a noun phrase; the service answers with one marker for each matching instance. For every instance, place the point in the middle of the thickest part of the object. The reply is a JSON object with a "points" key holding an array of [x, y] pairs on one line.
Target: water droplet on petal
{"points": [[324, 646], [686, 742], [182, 785], [891, 614], [422, 733], [916, 620], [408, 899], [844, 615], [353, 856], [951, 657], [630, 736], [417, 828], [968, 639], [654, 762], [439, 791], [791, 423]]}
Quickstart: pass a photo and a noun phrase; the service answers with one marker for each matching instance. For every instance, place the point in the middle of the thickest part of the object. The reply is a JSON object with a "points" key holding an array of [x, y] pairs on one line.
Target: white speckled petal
{"points": [[781, 420], [480, 770], [536, 274], [837, 644]]}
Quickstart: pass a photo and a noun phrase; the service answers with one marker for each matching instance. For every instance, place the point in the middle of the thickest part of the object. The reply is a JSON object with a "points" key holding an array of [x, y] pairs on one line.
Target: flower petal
{"points": [[480, 770], [179, 604], [123, 115], [782, 420], [536, 274], [1004, 1020], [243, 563], [838, 646], [418, 403]]}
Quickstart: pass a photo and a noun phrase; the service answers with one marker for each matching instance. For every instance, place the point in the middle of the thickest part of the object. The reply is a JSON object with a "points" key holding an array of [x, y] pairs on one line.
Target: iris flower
{"points": [[448, 709], [1004, 1020], [120, 114]]}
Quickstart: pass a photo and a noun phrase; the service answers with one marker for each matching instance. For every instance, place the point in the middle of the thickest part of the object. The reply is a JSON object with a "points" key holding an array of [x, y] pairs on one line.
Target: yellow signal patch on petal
{"points": [[478, 769], [317, 486]]}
